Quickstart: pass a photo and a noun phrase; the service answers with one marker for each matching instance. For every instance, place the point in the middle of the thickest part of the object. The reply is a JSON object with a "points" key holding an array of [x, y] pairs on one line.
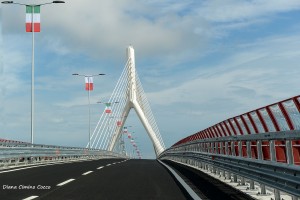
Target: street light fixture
{"points": [[108, 105], [11, 2], [87, 75], [88, 88], [107, 102], [32, 60]]}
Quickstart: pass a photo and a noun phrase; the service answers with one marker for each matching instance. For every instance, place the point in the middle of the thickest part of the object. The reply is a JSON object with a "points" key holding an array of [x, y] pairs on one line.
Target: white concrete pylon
{"points": [[133, 101]]}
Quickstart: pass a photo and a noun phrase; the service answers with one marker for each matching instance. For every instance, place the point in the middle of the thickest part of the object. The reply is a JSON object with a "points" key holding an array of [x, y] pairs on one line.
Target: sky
{"points": [[199, 61]]}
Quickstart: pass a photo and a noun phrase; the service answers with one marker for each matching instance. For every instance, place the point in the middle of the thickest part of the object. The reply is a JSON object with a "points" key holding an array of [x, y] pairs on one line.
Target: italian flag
{"points": [[89, 83], [107, 109], [35, 10]]}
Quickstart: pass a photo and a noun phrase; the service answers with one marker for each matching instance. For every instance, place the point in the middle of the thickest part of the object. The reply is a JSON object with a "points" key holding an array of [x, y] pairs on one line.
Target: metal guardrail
{"points": [[276, 175], [18, 153], [267, 136], [234, 154]]}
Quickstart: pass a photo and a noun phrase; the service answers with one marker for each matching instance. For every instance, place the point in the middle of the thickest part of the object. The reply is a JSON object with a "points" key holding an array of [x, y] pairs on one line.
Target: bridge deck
{"points": [[109, 179], [133, 179]]}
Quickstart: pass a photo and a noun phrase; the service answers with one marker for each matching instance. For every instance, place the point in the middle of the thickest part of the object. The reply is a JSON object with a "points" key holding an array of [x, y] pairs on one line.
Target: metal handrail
{"points": [[281, 135]]}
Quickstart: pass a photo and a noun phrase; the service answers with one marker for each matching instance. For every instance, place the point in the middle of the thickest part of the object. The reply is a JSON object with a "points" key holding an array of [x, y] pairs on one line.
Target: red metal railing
{"points": [[280, 116]]}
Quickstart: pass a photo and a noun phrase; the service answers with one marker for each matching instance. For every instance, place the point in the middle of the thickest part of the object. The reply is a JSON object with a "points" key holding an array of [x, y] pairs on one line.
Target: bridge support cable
{"points": [[128, 94], [101, 130], [117, 116], [143, 101]]}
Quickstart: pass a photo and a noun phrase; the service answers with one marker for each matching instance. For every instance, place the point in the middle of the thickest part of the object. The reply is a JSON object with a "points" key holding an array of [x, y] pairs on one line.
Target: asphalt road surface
{"points": [[96, 179]]}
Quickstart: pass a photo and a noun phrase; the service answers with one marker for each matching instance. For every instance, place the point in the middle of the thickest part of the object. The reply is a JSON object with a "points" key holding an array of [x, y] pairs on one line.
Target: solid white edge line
{"points": [[86, 173], [29, 167], [31, 197], [65, 182], [182, 182], [12, 170]]}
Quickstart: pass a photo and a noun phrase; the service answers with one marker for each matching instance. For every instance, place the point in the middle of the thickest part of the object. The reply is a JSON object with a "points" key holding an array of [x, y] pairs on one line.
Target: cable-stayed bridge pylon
{"points": [[128, 94]]}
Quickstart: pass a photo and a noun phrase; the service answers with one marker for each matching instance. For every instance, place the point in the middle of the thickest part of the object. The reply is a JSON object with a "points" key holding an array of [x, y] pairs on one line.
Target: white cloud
{"points": [[105, 27], [251, 77], [155, 28], [236, 10]]}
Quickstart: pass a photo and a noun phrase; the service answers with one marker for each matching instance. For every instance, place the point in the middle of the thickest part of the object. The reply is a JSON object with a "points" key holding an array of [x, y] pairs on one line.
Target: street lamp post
{"points": [[32, 61], [89, 91]]}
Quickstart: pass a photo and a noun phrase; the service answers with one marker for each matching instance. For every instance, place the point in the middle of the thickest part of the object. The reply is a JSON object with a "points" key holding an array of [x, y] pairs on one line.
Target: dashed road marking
{"points": [[100, 167], [86, 173], [65, 182], [108, 165]]}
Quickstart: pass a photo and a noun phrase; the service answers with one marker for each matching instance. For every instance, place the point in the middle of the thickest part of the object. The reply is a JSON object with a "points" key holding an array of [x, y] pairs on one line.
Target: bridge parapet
{"points": [[14, 153], [283, 116], [262, 145]]}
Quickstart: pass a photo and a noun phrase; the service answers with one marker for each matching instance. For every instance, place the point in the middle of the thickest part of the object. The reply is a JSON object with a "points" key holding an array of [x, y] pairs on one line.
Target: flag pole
{"points": [[89, 87], [32, 62], [32, 75], [89, 113]]}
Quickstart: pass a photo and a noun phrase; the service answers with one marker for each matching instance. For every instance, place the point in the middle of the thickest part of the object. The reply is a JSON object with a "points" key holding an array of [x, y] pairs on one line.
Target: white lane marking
{"points": [[65, 182], [108, 165], [31, 197], [86, 173], [100, 167], [182, 182]]}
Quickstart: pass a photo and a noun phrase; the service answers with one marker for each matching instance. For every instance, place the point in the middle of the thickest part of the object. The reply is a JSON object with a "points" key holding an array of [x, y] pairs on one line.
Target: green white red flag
{"points": [[33, 17], [108, 108], [89, 85]]}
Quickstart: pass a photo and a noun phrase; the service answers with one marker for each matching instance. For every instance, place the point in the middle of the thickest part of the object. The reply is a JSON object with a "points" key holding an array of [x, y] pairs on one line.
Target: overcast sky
{"points": [[200, 62]]}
